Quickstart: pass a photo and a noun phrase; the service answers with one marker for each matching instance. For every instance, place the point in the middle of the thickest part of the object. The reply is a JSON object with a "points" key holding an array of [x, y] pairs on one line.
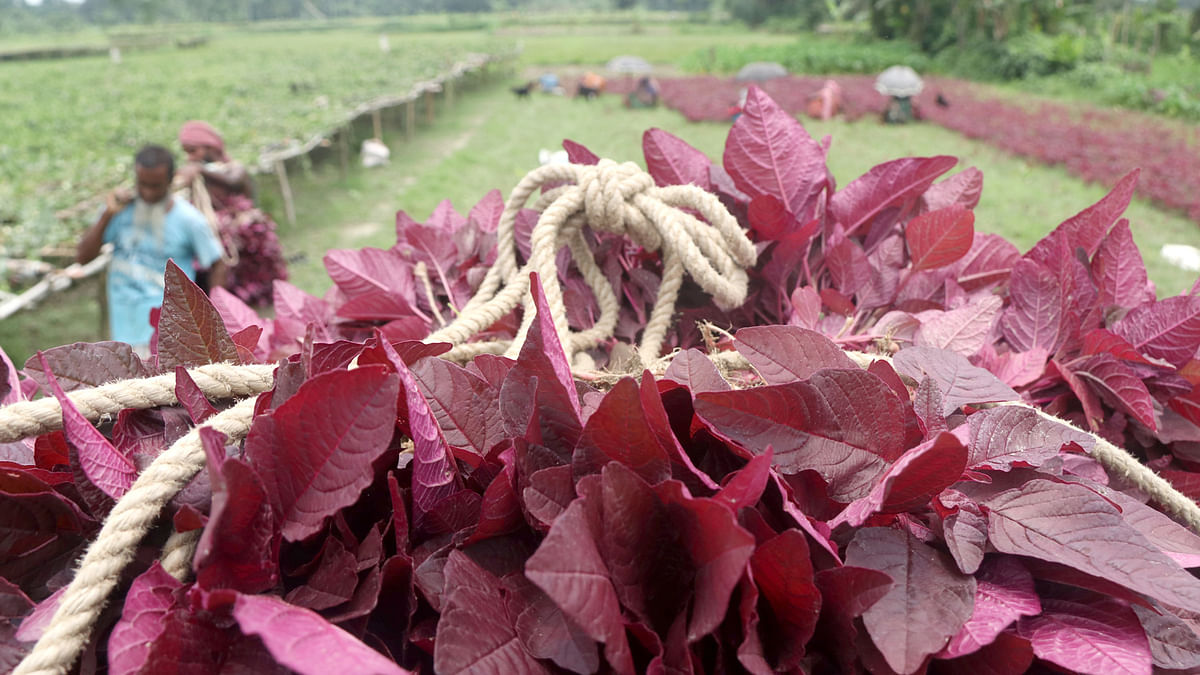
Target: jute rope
{"points": [[219, 380], [608, 197], [113, 549]]}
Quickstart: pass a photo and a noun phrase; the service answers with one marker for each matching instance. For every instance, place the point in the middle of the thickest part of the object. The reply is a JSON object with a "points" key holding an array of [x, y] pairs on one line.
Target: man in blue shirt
{"points": [[146, 229]]}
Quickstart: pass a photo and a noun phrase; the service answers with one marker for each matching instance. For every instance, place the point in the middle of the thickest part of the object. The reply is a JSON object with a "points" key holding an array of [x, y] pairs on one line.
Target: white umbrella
{"points": [[629, 64], [761, 71], [899, 81]]}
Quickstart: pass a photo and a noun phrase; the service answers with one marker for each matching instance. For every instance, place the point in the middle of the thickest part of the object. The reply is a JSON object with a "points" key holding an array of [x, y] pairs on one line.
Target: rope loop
{"points": [[621, 199]]}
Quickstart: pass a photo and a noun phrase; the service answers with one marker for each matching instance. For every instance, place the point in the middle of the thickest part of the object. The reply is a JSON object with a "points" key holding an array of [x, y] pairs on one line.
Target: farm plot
{"points": [[70, 127], [1095, 144]]}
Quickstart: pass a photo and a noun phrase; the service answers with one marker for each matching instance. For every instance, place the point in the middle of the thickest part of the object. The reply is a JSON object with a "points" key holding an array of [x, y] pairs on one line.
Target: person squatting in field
{"points": [[148, 227], [220, 188]]}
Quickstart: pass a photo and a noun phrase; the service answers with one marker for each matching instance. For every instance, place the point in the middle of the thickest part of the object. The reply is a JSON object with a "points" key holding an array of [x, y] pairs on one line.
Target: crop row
{"points": [[1095, 144]]}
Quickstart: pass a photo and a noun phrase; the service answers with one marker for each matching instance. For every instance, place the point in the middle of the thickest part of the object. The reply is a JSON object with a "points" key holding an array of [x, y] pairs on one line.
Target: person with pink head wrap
{"points": [[201, 142], [220, 187]]}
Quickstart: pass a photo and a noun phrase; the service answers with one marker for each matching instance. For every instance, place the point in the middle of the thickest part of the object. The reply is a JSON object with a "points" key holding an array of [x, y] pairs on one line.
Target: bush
{"points": [[812, 55]]}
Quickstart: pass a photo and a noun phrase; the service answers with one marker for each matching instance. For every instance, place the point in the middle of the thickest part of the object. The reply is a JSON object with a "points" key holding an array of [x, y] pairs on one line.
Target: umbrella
{"points": [[900, 81], [760, 71], [629, 64]]}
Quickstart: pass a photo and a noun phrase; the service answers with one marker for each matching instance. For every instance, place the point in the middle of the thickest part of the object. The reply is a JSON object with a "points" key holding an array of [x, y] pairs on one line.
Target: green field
{"points": [[69, 127]]}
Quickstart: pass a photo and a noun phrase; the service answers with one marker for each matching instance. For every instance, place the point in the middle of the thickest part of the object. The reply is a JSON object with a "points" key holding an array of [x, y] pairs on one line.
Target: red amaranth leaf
{"points": [[190, 331], [543, 352], [938, 238], [239, 548], [1101, 341], [1100, 637], [568, 567], [768, 152], [500, 510], [768, 216], [141, 623], [314, 458], [959, 381], [84, 365], [368, 271], [1174, 644], [578, 153], [910, 483], [989, 261], [619, 430], [844, 424], [963, 188], [784, 575], [1118, 270], [302, 640], [1119, 386], [1006, 435], [671, 161], [474, 633], [783, 354], [1008, 654], [1072, 525], [963, 330], [1087, 228], [717, 548], [103, 465], [191, 397], [964, 529], [695, 371], [1034, 317], [545, 631], [435, 478], [458, 399], [331, 582], [1168, 329], [485, 215], [891, 184], [929, 600], [1004, 593]]}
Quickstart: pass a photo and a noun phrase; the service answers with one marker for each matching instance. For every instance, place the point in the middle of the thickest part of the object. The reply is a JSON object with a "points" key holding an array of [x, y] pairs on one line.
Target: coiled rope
{"points": [[608, 197]]}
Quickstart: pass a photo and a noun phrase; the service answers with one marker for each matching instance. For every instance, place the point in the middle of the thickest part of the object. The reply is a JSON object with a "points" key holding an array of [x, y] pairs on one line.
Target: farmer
{"points": [[147, 227], [826, 103], [645, 95], [591, 85], [220, 188]]}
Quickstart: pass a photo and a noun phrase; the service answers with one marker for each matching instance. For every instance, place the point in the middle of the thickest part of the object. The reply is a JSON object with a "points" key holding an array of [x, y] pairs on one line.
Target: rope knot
{"points": [[608, 191], [691, 229]]}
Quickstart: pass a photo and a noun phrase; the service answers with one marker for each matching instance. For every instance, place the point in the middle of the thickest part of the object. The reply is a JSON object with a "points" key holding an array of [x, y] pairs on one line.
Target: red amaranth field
{"points": [[1095, 144]]}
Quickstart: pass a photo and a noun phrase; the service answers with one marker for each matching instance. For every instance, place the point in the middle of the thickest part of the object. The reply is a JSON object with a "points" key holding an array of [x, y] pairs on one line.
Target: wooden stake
{"points": [[410, 119], [102, 285], [429, 107], [285, 188], [449, 93], [377, 123], [343, 142]]}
